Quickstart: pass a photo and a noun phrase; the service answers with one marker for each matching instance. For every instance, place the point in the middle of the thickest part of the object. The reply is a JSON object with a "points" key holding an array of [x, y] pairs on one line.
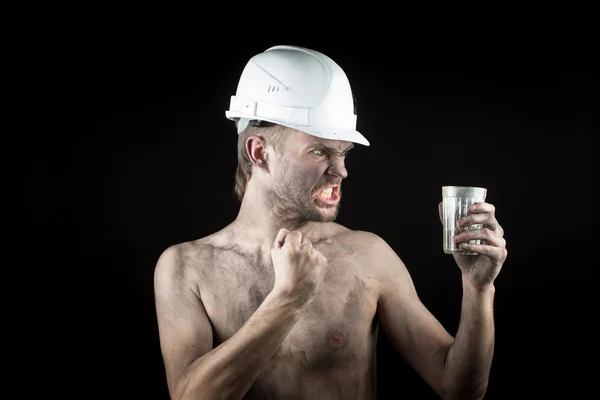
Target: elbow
{"points": [[205, 388], [187, 389], [196, 391], [184, 390], [465, 393]]}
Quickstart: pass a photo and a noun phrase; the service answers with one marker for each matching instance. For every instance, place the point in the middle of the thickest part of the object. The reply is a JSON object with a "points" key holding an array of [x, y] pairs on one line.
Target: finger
{"points": [[280, 238], [499, 230], [322, 259], [317, 254], [294, 237], [497, 254], [482, 207], [486, 234], [485, 219], [306, 243], [441, 211]]}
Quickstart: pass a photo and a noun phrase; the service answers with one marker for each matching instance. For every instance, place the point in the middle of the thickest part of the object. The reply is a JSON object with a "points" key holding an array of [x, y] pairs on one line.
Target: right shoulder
{"points": [[183, 262]]}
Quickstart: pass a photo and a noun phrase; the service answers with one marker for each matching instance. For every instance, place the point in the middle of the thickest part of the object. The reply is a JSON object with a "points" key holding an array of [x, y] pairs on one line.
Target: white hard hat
{"points": [[299, 88]]}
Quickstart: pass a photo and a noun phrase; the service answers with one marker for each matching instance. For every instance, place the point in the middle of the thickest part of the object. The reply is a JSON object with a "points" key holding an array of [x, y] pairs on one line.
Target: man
{"points": [[283, 302]]}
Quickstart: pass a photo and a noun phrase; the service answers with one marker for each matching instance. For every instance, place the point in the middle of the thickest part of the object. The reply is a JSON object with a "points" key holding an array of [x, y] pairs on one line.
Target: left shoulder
{"points": [[368, 243], [375, 253], [367, 247], [373, 257]]}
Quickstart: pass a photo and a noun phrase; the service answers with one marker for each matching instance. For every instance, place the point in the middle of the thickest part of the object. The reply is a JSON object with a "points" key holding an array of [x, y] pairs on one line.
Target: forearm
{"points": [[229, 370], [469, 359]]}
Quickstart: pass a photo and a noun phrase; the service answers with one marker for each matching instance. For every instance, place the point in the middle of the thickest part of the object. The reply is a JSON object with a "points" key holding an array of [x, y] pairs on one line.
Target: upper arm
{"points": [[185, 331], [410, 327]]}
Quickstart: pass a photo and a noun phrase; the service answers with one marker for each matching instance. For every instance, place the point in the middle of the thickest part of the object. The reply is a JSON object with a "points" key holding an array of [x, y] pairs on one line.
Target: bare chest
{"points": [[335, 330]]}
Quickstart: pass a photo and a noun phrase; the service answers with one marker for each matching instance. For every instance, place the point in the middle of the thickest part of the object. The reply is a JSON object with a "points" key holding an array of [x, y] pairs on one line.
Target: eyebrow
{"points": [[322, 146]]}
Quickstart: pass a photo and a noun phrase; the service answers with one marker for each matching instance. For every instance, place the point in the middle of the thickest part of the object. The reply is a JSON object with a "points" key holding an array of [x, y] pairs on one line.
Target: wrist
{"points": [[477, 288], [287, 298]]}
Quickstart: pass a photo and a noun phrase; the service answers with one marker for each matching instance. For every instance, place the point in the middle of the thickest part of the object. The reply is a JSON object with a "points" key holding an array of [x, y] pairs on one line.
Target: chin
{"points": [[328, 214]]}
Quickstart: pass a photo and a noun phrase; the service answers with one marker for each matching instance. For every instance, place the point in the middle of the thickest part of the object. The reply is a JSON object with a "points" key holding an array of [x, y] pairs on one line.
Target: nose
{"points": [[337, 168]]}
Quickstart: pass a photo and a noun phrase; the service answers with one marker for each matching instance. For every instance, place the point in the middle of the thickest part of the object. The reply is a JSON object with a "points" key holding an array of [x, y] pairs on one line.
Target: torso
{"points": [[330, 351]]}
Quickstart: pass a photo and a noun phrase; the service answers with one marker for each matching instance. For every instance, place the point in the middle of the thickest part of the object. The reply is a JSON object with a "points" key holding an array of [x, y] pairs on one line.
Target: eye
{"points": [[318, 152]]}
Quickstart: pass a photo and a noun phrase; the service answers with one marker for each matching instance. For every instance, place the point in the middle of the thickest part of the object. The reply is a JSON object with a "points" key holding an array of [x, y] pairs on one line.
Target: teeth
{"points": [[327, 193]]}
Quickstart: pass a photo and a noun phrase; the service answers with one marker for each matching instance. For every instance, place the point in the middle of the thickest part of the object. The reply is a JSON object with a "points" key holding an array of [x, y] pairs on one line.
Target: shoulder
{"points": [[375, 255], [181, 264], [368, 243]]}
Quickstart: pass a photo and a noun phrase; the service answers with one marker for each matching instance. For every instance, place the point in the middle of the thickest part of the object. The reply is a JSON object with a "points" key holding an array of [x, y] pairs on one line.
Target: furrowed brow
{"points": [[331, 150]]}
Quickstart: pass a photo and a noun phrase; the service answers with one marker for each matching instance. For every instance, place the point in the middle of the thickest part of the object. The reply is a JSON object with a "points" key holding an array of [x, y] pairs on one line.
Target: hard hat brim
{"points": [[349, 135]]}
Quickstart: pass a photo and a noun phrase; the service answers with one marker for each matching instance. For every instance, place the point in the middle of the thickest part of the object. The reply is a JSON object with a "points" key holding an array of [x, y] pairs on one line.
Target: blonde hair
{"points": [[272, 134]]}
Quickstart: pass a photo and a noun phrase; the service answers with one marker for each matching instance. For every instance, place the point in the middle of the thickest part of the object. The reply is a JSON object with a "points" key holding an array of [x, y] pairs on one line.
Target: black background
{"points": [[126, 150]]}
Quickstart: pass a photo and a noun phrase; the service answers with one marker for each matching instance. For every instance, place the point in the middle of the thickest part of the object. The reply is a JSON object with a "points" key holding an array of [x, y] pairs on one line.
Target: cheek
{"points": [[293, 163], [301, 170]]}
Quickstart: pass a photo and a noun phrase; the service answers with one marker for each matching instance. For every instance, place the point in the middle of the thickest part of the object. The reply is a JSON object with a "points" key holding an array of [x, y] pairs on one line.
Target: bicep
{"points": [[409, 326], [184, 329]]}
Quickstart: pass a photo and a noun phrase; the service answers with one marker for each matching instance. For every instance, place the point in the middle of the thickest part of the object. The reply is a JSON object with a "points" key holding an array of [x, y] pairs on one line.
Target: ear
{"points": [[257, 150]]}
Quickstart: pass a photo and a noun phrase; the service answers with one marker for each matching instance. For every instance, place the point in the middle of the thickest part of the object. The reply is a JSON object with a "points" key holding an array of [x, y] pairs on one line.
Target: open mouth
{"points": [[328, 195]]}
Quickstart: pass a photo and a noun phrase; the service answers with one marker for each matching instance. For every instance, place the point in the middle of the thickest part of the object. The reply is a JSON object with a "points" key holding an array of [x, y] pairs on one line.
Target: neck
{"points": [[258, 221]]}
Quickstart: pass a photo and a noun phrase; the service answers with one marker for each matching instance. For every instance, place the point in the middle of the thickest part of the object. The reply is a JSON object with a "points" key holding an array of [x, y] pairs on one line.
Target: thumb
{"points": [[280, 238]]}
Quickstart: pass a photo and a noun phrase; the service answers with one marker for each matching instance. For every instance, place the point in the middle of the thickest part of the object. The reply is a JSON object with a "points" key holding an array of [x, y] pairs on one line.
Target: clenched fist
{"points": [[299, 267]]}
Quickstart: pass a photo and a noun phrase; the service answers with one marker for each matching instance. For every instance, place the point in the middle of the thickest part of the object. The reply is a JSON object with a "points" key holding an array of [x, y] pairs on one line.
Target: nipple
{"points": [[337, 339]]}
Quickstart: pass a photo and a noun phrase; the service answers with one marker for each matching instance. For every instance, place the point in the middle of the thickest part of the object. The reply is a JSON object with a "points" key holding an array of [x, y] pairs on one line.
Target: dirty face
{"points": [[307, 176]]}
